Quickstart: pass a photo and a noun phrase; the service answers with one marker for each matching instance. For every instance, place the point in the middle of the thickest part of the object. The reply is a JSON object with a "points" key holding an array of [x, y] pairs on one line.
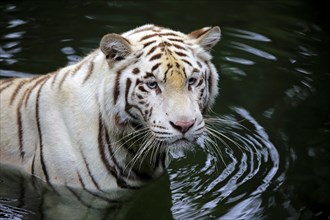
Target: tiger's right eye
{"points": [[152, 84]]}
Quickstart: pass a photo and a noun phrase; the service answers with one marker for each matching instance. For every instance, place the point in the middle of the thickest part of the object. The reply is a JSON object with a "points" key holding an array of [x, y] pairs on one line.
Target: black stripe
{"points": [[63, 78], [147, 44], [101, 149], [151, 50], [162, 132], [55, 74], [155, 67], [177, 40], [178, 46], [81, 181], [89, 71], [77, 68], [148, 36], [120, 182], [129, 106], [149, 75], [42, 159], [155, 57], [210, 85], [6, 86], [165, 74], [121, 170], [20, 131], [92, 193], [16, 91], [169, 34], [158, 126], [19, 124], [184, 72], [89, 171], [199, 129], [32, 165], [150, 113], [200, 83], [80, 200], [31, 88], [186, 61], [109, 147], [116, 88], [181, 54]]}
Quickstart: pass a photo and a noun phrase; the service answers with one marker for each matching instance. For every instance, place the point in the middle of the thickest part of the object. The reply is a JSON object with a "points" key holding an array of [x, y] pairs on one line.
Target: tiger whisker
{"points": [[213, 147], [132, 162], [131, 133], [226, 137], [136, 137]]}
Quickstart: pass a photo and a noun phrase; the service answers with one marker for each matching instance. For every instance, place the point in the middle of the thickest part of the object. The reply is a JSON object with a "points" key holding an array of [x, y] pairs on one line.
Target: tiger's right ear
{"points": [[115, 47], [206, 37]]}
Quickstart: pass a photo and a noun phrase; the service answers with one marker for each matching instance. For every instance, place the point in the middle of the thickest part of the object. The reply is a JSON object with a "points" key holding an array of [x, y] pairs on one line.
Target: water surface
{"points": [[274, 103]]}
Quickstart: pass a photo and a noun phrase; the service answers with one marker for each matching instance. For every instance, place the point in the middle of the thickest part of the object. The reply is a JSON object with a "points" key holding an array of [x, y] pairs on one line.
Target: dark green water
{"points": [[273, 62]]}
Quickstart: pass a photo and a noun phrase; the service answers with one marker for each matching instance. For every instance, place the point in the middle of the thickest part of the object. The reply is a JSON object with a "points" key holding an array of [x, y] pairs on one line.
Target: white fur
{"points": [[69, 113]]}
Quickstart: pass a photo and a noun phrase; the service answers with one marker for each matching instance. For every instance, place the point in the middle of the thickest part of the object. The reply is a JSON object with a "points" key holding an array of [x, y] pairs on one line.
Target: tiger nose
{"points": [[183, 126]]}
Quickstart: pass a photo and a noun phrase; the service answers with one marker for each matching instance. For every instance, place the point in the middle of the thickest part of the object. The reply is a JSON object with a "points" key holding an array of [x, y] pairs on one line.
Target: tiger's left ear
{"points": [[206, 37], [115, 47]]}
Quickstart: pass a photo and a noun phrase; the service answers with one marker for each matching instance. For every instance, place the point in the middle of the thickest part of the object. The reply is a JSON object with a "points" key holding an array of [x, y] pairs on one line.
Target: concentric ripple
{"points": [[234, 180]]}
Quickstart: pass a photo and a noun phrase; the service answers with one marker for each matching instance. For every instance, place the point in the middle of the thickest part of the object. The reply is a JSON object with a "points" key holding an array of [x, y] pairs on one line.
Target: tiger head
{"points": [[164, 81]]}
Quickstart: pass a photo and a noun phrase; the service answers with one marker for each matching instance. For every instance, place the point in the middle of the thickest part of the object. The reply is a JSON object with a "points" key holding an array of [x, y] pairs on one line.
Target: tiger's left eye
{"points": [[192, 81], [152, 84]]}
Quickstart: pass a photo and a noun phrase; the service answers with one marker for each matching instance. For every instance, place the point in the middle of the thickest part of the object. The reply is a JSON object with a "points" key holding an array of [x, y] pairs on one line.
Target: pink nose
{"points": [[183, 126]]}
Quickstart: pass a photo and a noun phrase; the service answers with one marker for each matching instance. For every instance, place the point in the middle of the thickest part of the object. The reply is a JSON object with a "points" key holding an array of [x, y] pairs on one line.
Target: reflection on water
{"points": [[247, 155], [253, 50], [273, 59]]}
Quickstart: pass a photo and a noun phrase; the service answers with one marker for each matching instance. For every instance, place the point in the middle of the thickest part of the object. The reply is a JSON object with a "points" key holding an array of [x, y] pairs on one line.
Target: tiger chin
{"points": [[111, 120]]}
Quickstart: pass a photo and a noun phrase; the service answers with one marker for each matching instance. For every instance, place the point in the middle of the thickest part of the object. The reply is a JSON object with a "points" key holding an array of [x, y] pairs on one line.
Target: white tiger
{"points": [[109, 121]]}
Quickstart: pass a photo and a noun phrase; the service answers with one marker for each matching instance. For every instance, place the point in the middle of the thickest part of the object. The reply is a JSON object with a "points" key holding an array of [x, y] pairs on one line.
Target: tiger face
{"points": [[165, 81]]}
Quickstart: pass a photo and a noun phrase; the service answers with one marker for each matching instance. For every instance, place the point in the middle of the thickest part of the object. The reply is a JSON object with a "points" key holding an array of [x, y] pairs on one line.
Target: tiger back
{"points": [[111, 120]]}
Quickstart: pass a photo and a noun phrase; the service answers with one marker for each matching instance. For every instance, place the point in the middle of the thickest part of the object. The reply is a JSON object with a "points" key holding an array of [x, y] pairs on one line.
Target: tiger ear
{"points": [[206, 37], [115, 47]]}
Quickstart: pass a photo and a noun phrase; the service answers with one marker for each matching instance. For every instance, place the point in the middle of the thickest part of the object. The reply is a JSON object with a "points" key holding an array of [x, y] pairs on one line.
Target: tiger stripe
{"points": [[154, 67], [20, 131], [89, 171], [89, 71], [148, 43], [78, 197], [16, 91], [77, 68], [5, 86], [116, 88], [65, 75], [157, 34], [120, 181], [37, 108], [156, 57], [151, 50], [92, 193], [37, 80], [127, 105]]}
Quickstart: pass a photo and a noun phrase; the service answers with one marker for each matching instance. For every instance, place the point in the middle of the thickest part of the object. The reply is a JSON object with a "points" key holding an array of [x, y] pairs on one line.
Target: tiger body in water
{"points": [[109, 121]]}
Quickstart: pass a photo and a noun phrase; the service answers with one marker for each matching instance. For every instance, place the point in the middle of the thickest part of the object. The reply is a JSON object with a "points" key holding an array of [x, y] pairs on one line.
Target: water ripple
{"points": [[251, 166], [14, 35], [15, 23], [248, 35], [253, 50], [240, 60]]}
